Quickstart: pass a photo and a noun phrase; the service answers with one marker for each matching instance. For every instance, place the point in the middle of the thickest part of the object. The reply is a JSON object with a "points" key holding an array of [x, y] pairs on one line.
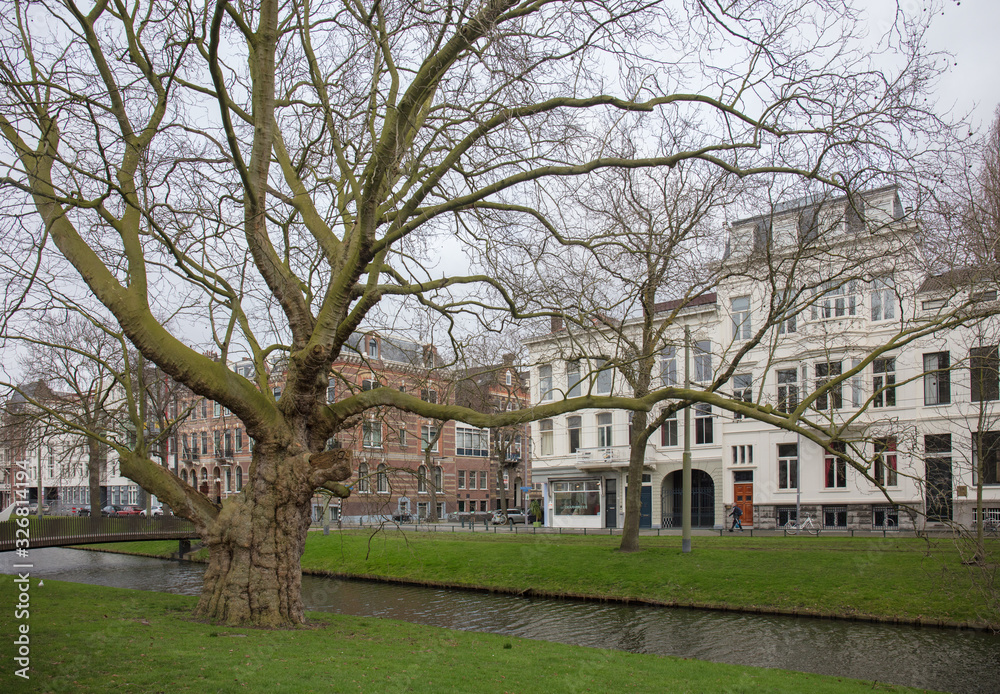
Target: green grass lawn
{"points": [[95, 639], [896, 578]]}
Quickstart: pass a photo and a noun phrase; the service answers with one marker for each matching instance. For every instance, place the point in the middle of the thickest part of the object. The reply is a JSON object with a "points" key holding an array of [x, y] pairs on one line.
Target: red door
{"points": [[743, 495]]}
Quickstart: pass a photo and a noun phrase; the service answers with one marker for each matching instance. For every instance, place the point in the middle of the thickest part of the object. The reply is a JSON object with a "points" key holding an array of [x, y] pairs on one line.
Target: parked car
{"points": [[402, 518], [514, 515], [111, 511], [155, 512], [82, 510], [130, 510]]}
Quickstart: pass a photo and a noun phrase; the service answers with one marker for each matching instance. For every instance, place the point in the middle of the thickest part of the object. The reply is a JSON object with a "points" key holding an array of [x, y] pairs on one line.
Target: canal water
{"points": [[943, 659]]}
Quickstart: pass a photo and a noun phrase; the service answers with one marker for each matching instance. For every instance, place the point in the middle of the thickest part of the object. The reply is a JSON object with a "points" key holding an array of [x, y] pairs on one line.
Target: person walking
{"points": [[736, 513]]}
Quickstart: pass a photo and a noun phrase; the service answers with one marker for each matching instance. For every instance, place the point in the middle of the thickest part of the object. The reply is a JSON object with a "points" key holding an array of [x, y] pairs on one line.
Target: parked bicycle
{"points": [[792, 527], [991, 527]]}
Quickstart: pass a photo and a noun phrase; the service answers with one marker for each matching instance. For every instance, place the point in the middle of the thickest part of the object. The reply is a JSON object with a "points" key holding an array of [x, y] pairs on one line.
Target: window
{"points": [[933, 304], [430, 396], [369, 384], [937, 378], [884, 382], [742, 455], [461, 479], [239, 439], [883, 298], [576, 498], [216, 409], [990, 466], [885, 518], [788, 389], [438, 476], [382, 480], [702, 361], [741, 318], [371, 434], [363, 478], [788, 466], [217, 443], [427, 434], [204, 409], [604, 430], [605, 377], [229, 480], [832, 398], [227, 440], [788, 324], [373, 348], [472, 441], [472, 479], [331, 391], [835, 470], [545, 436], [786, 515], [545, 382], [482, 482], [985, 295], [884, 467], [703, 431], [277, 392], [983, 367], [508, 378], [836, 301], [668, 366], [573, 387], [402, 436], [573, 427], [834, 516], [742, 390], [937, 461], [461, 506], [668, 431]]}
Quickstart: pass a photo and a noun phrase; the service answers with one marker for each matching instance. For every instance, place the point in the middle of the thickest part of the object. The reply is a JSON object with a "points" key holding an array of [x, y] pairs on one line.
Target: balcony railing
{"points": [[608, 455]]}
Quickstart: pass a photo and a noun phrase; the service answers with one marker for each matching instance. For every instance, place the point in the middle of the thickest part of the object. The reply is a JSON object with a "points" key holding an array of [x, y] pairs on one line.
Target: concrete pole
{"points": [[686, 474]]}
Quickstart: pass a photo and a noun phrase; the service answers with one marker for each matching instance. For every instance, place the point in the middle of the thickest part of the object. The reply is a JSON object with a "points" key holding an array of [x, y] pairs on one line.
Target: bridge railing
{"points": [[53, 531]]}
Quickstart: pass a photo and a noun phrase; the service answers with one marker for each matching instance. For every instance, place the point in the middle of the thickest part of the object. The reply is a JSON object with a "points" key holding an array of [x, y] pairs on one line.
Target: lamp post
{"points": [[686, 465]]}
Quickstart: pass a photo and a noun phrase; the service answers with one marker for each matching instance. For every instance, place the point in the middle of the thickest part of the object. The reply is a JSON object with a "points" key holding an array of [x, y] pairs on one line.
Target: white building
{"points": [[854, 282], [51, 463]]}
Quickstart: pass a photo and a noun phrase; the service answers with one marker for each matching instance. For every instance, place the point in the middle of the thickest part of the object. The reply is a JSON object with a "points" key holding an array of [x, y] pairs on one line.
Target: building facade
{"points": [[403, 466], [920, 416]]}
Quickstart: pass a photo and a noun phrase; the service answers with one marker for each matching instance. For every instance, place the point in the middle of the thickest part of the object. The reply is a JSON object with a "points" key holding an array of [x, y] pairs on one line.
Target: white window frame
{"points": [[740, 312]]}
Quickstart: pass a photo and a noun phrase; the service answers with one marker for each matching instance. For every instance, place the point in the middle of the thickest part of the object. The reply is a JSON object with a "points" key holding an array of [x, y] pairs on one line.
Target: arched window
{"points": [[363, 477], [239, 478], [422, 479], [184, 476], [204, 474], [373, 348], [437, 478], [382, 480]]}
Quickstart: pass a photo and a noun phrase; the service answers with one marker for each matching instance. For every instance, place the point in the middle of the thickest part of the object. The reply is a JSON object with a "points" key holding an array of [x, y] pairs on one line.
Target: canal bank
{"points": [[948, 660], [893, 581], [92, 639]]}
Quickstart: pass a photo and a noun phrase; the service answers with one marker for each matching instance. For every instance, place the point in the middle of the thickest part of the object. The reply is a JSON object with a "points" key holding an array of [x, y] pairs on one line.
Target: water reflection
{"points": [[957, 661]]}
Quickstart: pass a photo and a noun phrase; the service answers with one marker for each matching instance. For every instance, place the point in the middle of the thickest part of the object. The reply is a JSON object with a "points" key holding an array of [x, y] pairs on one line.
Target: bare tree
{"points": [[274, 176]]}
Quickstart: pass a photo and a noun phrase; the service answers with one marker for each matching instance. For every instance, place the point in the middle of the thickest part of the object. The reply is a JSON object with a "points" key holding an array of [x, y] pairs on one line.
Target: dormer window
{"points": [[508, 378], [373, 348]]}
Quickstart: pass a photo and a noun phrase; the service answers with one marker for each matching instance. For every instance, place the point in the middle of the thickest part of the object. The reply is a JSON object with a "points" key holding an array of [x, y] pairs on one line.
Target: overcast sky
{"points": [[969, 31]]}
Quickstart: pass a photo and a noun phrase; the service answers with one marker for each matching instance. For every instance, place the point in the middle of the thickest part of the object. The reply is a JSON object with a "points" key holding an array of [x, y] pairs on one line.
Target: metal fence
{"points": [[61, 531]]}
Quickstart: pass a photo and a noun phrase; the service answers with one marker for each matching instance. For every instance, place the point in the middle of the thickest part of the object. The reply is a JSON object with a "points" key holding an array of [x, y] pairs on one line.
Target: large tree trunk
{"points": [[633, 499], [254, 576]]}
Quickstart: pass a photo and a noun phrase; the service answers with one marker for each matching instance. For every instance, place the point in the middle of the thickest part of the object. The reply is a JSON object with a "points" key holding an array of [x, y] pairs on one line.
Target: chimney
{"points": [[508, 359], [557, 324]]}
